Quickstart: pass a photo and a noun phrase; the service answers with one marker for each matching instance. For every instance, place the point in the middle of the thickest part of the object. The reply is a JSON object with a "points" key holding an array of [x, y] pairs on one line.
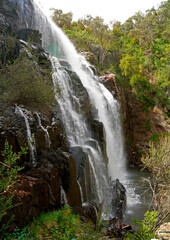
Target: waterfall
{"points": [[47, 137], [30, 137], [79, 133], [98, 168], [58, 45], [63, 197]]}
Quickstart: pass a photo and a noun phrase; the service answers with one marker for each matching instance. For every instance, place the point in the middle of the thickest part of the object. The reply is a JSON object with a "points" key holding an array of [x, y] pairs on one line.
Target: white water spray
{"points": [[30, 137], [47, 137]]}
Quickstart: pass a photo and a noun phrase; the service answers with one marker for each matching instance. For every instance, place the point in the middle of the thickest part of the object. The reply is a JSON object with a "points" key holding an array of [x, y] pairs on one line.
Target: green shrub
{"points": [[62, 224], [8, 176], [19, 234], [23, 82], [25, 77], [157, 160], [146, 228]]}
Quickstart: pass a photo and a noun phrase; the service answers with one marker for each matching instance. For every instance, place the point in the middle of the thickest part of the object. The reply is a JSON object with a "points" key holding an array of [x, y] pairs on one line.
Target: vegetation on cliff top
{"points": [[140, 47]]}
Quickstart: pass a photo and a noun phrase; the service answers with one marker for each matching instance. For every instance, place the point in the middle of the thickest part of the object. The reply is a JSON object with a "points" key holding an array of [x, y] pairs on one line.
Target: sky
{"points": [[109, 10]]}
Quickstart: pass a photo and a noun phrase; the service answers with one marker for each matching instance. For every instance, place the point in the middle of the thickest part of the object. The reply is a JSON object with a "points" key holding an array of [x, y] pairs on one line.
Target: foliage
{"points": [[7, 49], [140, 47], [8, 176], [24, 81], [61, 224], [63, 20], [157, 160], [19, 234], [146, 228]]}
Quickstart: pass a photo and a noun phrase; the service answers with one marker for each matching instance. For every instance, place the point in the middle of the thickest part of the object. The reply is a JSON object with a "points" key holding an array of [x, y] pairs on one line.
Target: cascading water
{"points": [[96, 171], [30, 137], [47, 137], [78, 131]]}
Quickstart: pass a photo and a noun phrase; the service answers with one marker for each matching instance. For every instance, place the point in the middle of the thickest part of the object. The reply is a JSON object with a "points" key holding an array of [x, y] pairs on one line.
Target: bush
{"points": [[23, 83], [157, 161], [62, 224], [8, 176], [19, 234], [146, 228], [26, 79]]}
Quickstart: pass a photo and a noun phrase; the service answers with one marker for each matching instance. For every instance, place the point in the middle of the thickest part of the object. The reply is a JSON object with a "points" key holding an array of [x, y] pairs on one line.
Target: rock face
{"points": [[39, 187], [98, 55], [50, 166], [54, 170], [11, 14], [40, 183], [118, 198]]}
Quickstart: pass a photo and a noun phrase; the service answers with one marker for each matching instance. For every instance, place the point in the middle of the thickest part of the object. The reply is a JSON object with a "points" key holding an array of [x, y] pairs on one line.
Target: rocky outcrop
{"points": [[118, 198], [39, 187], [140, 123], [53, 169], [49, 167], [99, 56], [40, 182], [15, 15]]}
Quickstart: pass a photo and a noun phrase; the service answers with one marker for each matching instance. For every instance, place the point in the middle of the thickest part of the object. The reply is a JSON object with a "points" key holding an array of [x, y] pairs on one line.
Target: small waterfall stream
{"points": [[47, 137], [30, 137]]}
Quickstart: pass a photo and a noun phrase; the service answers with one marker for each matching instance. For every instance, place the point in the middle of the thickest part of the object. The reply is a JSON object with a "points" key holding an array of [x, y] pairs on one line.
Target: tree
{"points": [[63, 20]]}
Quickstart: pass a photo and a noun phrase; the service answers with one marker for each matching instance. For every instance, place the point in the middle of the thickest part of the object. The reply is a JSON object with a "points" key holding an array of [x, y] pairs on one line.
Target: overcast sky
{"points": [[119, 10]]}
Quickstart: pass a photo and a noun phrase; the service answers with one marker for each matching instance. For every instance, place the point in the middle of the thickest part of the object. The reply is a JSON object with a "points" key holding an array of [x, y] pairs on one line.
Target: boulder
{"points": [[89, 211], [118, 198]]}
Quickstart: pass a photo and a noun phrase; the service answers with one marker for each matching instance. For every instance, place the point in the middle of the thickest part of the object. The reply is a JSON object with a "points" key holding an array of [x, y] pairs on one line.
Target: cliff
{"points": [[51, 168], [41, 183]]}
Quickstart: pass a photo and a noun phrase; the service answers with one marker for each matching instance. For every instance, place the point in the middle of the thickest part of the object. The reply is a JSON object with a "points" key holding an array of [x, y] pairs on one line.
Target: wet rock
{"points": [[118, 198], [78, 90], [27, 35], [65, 63], [97, 130], [79, 156], [89, 211], [73, 193]]}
